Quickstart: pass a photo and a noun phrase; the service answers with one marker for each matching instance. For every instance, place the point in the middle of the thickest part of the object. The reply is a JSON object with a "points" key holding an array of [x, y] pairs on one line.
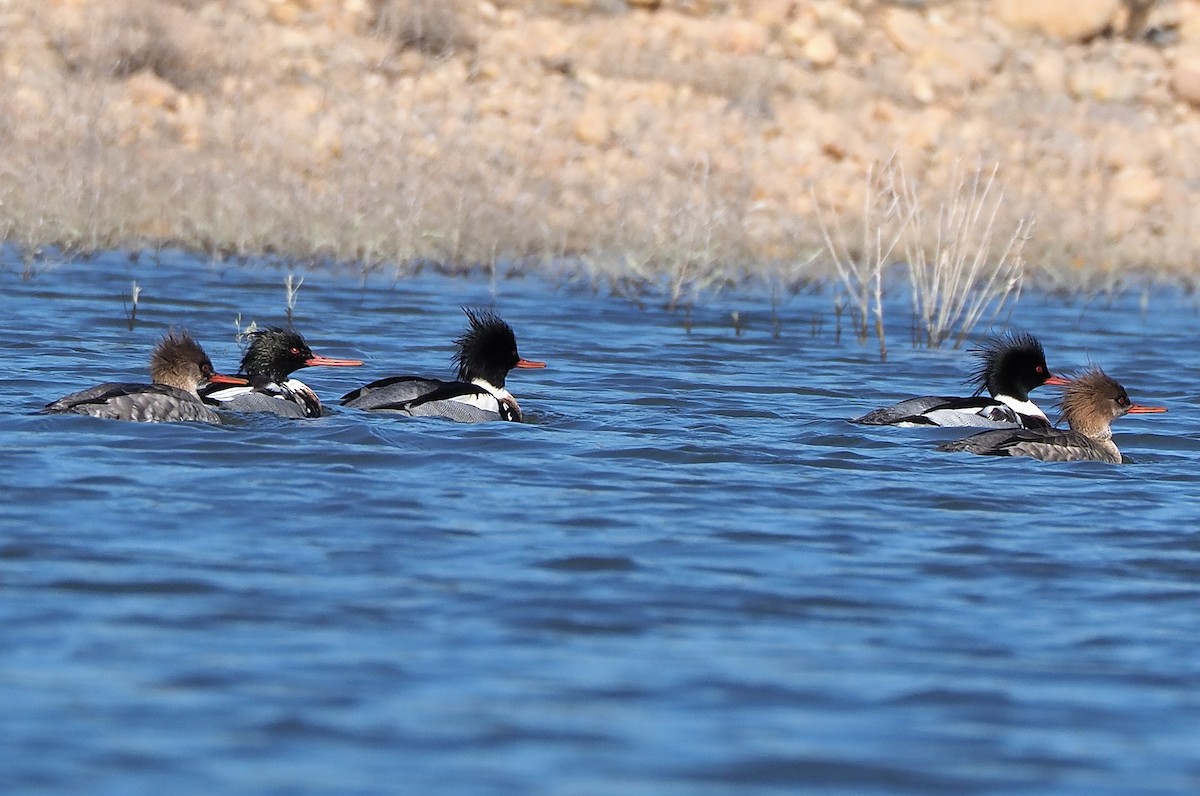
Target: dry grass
{"points": [[124, 37], [434, 27], [954, 274], [860, 265], [262, 157], [749, 82]]}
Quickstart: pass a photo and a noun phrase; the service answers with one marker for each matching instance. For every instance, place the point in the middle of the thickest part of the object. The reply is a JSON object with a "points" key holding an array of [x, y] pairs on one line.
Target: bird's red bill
{"points": [[530, 363], [317, 359]]}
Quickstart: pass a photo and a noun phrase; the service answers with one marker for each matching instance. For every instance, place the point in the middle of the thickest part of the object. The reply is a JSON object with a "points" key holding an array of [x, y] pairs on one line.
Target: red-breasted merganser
{"points": [[273, 355], [178, 367], [1090, 403], [1009, 367], [487, 351]]}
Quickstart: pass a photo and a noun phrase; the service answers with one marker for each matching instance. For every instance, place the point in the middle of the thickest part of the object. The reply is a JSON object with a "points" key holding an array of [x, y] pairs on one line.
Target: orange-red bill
{"points": [[530, 363], [1138, 409], [1057, 381], [221, 378], [317, 359]]}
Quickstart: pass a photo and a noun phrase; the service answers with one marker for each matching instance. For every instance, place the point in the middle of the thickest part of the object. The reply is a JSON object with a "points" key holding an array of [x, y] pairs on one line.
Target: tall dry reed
{"points": [[882, 223], [956, 274]]}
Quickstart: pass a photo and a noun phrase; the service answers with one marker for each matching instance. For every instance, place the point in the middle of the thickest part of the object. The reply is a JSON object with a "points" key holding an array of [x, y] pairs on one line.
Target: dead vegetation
{"points": [[466, 152], [434, 27], [124, 37]]}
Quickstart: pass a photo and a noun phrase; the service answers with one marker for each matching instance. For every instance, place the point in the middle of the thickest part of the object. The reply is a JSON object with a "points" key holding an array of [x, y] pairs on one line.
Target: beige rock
{"points": [[285, 13], [149, 90], [920, 86], [592, 126], [1185, 77], [1146, 15], [1138, 187], [327, 143], [1104, 81], [741, 37], [803, 27], [30, 102], [1189, 23], [410, 62], [952, 65], [696, 8], [1073, 20], [822, 49], [190, 133], [906, 29], [839, 14], [1049, 69], [927, 130], [772, 13]]}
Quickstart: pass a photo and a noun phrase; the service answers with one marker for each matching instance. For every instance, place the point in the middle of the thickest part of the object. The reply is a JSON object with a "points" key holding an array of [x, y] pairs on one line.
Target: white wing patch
{"points": [[229, 393], [1028, 408]]}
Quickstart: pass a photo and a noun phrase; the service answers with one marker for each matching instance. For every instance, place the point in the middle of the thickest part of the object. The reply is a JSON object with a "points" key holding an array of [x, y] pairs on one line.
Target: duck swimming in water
{"points": [[487, 351], [1090, 403], [274, 354], [178, 368], [1009, 367]]}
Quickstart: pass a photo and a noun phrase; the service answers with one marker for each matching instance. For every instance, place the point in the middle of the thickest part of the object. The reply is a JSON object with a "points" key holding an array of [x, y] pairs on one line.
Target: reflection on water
{"points": [[687, 573]]}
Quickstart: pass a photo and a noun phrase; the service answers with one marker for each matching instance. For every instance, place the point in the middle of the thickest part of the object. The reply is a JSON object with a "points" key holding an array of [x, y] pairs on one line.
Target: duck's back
{"points": [[937, 410], [909, 411], [383, 393], [1049, 445], [147, 403], [421, 397], [291, 399]]}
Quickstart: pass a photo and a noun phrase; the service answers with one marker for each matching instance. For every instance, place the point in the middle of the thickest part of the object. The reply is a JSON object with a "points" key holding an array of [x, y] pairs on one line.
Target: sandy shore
{"points": [[691, 139]]}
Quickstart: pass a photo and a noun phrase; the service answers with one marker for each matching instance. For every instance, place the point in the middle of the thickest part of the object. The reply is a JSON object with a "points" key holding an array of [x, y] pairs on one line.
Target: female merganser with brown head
{"points": [[178, 367], [273, 355], [1009, 367], [487, 351], [1090, 403]]}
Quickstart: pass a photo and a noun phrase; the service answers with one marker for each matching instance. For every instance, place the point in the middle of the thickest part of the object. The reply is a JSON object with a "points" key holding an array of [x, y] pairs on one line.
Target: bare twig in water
{"points": [[135, 293], [954, 278], [241, 333], [884, 221], [293, 288]]}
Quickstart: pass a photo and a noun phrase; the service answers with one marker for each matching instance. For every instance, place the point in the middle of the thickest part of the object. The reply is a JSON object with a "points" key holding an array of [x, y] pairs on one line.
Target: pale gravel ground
{"points": [[651, 147]]}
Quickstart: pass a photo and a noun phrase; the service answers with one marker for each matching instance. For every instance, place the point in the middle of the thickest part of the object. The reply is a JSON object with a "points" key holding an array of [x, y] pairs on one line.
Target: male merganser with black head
{"points": [[1090, 403], [178, 367], [273, 355], [487, 351], [1009, 367]]}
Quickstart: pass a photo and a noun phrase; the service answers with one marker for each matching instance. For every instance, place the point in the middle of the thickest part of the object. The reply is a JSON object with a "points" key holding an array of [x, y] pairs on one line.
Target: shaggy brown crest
{"points": [[179, 361], [1092, 400]]}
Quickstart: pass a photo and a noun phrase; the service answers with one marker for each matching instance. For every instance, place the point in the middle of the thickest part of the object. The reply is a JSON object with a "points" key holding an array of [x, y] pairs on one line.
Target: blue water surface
{"points": [[686, 574]]}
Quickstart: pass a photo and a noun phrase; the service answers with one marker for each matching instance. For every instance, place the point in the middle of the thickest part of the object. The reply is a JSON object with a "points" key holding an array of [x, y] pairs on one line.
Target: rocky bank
{"points": [[633, 134]]}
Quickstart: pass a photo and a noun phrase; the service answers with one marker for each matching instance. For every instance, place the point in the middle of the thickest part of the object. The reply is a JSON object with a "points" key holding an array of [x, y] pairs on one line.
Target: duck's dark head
{"points": [[488, 349], [179, 361], [275, 353], [1012, 364]]}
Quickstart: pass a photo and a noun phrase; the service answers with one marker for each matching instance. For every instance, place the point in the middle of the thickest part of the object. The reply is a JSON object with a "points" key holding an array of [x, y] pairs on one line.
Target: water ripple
{"points": [[688, 573]]}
